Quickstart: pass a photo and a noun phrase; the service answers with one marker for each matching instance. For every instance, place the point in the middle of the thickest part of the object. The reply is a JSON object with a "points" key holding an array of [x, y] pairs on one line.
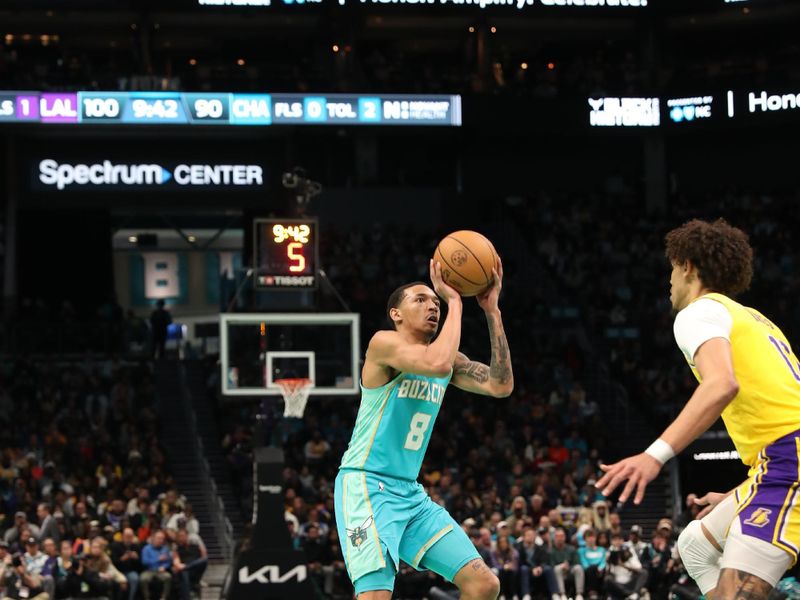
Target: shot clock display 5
{"points": [[285, 253]]}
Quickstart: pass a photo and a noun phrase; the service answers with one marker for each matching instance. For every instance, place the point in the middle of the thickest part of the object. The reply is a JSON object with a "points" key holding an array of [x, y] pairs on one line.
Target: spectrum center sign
{"points": [[51, 174]]}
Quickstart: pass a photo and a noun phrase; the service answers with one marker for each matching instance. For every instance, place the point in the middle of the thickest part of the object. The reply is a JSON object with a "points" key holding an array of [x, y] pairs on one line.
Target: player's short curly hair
{"points": [[720, 252]]}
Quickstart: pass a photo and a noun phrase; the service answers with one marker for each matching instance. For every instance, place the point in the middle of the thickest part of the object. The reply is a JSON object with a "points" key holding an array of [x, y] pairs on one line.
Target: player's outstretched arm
{"points": [[719, 386], [714, 362], [391, 349], [496, 379]]}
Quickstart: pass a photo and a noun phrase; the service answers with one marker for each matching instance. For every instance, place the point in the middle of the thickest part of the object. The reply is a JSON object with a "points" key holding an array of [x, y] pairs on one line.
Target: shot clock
{"points": [[285, 253]]}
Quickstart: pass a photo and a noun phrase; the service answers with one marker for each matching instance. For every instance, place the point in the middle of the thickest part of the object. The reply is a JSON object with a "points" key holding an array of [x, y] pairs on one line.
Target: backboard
{"points": [[258, 348]]}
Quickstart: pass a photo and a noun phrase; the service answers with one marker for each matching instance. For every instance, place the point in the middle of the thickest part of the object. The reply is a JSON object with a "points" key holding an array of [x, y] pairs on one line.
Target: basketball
{"points": [[467, 259]]}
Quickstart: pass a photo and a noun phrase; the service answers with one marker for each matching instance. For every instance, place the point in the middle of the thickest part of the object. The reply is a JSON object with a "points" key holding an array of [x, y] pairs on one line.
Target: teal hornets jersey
{"points": [[394, 425]]}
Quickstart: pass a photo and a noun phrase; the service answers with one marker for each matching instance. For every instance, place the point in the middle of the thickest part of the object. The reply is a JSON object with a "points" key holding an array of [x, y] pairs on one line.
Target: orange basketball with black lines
{"points": [[467, 259]]}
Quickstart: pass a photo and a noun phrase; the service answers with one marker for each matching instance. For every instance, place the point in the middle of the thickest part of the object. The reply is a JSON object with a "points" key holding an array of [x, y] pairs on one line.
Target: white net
{"points": [[295, 396]]}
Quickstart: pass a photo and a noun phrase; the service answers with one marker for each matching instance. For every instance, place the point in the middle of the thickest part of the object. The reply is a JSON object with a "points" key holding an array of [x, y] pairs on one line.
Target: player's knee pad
{"points": [[699, 556]]}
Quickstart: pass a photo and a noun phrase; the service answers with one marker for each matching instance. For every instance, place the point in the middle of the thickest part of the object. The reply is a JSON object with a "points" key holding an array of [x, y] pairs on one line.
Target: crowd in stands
{"points": [[502, 63], [39, 326], [87, 507], [627, 309]]}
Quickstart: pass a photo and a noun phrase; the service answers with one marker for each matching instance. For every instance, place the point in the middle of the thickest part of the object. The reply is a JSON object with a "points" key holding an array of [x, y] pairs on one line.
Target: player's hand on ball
{"points": [[710, 500], [444, 291], [489, 299], [637, 470]]}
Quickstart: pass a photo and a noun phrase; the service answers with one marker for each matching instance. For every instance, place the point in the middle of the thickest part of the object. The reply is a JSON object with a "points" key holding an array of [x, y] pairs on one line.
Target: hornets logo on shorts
{"points": [[359, 535]]}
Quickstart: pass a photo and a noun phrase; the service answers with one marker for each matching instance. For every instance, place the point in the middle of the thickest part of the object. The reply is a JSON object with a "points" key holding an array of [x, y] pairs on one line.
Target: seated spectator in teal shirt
{"points": [[593, 561]]}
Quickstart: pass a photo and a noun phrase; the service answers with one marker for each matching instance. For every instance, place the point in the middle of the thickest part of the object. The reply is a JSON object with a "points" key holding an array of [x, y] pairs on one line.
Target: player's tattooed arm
{"points": [[500, 368], [490, 380], [501, 377], [470, 369]]}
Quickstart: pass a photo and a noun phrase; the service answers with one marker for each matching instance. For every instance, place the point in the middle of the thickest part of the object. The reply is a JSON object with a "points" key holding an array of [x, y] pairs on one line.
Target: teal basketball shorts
{"points": [[382, 520]]}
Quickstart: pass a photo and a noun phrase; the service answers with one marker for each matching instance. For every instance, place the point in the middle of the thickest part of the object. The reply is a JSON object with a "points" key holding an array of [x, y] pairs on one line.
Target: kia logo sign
{"points": [[272, 574], [109, 174]]}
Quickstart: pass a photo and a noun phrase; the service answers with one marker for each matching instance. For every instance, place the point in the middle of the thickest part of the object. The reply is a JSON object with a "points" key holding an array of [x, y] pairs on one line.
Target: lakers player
{"points": [[383, 515], [749, 375]]}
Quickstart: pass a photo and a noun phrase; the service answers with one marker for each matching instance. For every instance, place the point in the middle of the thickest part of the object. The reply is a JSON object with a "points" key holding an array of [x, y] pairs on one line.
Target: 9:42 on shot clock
{"points": [[286, 253]]}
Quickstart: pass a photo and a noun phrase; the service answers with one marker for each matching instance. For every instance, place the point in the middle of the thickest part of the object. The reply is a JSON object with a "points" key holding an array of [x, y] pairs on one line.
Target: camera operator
{"points": [[20, 584], [74, 578], [626, 576], [68, 582], [638, 545]]}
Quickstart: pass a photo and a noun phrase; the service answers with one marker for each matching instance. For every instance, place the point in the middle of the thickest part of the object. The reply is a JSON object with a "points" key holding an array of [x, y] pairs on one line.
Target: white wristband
{"points": [[660, 450]]}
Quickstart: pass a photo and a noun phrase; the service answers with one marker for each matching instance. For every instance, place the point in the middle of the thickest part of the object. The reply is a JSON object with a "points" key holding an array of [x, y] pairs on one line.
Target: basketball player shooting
{"points": [[383, 515], [750, 377]]}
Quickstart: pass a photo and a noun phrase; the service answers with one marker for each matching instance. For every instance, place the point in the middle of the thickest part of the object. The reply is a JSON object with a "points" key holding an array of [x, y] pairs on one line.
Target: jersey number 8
{"points": [[416, 434]]}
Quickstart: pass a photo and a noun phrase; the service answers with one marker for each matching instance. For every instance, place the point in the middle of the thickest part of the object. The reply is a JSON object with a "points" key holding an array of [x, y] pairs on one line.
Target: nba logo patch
{"points": [[759, 518], [358, 535]]}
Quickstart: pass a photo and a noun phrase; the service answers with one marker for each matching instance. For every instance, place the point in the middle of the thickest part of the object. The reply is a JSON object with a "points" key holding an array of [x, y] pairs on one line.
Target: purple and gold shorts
{"points": [[768, 503]]}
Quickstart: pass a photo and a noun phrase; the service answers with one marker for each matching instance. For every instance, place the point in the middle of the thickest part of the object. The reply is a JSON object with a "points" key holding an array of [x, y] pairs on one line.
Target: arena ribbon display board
{"points": [[183, 108], [755, 105], [422, 3]]}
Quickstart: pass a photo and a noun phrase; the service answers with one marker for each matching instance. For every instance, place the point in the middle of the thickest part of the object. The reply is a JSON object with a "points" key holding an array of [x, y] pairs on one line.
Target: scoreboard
{"points": [[183, 108], [286, 252]]}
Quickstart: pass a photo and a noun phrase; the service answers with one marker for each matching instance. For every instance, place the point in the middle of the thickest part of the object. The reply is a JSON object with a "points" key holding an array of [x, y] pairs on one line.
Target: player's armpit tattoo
{"points": [[474, 370], [740, 585]]}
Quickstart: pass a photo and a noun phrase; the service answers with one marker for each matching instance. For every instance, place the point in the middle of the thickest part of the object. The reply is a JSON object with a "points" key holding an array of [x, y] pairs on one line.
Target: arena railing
{"points": [[222, 525]]}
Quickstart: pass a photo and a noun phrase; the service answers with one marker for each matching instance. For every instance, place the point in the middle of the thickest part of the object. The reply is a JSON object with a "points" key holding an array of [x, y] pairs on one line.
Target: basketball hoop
{"points": [[295, 395]]}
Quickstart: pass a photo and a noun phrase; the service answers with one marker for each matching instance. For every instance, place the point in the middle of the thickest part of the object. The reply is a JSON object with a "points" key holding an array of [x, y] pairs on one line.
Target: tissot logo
{"points": [[289, 280], [272, 574], [107, 173]]}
